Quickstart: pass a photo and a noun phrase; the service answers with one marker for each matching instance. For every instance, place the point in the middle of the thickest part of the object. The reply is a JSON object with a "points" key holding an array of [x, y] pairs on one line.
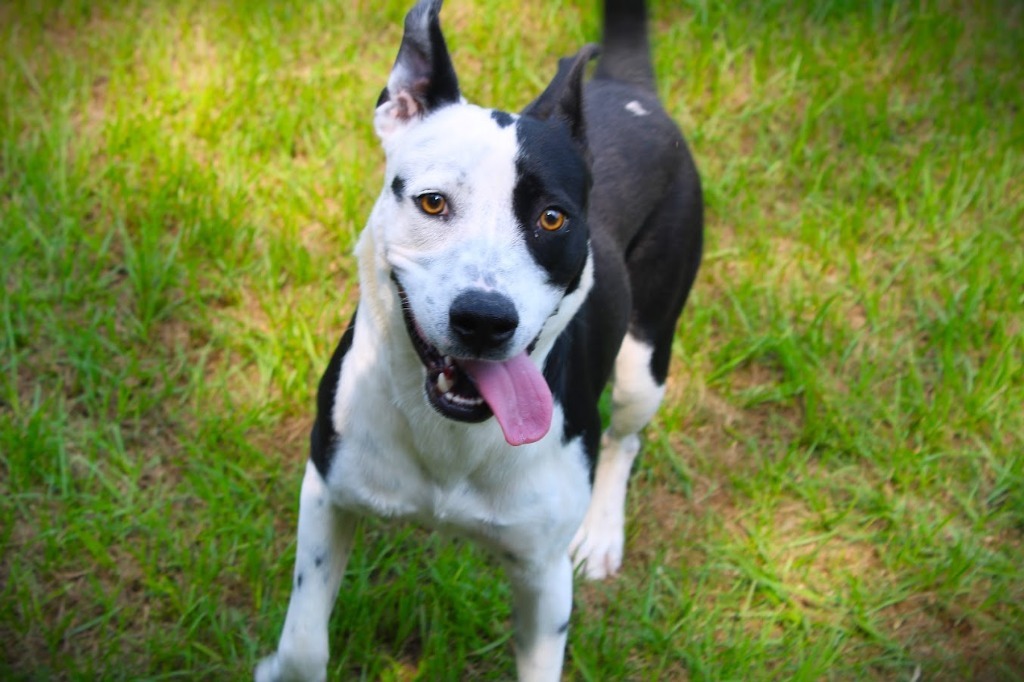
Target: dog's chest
{"points": [[462, 479]]}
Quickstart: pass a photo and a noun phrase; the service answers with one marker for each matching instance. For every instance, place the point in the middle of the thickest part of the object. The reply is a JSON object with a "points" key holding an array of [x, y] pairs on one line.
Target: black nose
{"points": [[483, 320]]}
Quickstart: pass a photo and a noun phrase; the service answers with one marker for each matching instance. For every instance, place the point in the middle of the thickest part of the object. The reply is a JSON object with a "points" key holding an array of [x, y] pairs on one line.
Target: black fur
{"points": [[645, 221], [647, 199], [561, 101], [323, 436], [581, 361], [626, 53], [398, 187], [550, 172], [423, 58], [502, 118]]}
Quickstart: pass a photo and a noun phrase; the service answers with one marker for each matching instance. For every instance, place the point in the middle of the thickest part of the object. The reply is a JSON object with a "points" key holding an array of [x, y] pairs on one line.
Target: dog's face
{"points": [[483, 226]]}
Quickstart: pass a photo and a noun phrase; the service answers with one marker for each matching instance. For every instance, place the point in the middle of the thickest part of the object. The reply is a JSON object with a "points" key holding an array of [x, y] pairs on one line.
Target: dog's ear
{"points": [[563, 98], [423, 78]]}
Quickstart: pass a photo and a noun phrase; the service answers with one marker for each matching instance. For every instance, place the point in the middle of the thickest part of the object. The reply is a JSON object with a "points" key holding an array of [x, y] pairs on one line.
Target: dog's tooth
{"points": [[444, 384], [448, 362]]}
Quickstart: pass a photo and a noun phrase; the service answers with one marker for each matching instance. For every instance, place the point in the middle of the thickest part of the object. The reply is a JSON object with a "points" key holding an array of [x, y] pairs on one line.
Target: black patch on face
{"points": [[551, 172], [398, 187], [323, 437], [502, 118]]}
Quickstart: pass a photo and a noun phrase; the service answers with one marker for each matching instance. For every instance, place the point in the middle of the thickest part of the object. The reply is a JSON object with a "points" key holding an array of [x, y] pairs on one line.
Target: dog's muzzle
{"points": [[472, 389], [449, 389]]}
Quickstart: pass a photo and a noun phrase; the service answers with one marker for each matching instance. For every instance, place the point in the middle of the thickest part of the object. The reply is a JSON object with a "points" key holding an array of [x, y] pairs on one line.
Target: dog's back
{"points": [[646, 221], [647, 194]]}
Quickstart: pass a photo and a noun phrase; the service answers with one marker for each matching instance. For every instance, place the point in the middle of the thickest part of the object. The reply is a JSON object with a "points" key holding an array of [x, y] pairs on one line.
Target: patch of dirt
{"points": [[89, 119], [950, 642]]}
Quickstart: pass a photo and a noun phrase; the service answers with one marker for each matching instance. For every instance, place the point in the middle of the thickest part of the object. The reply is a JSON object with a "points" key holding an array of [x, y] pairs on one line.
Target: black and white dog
{"points": [[510, 267]]}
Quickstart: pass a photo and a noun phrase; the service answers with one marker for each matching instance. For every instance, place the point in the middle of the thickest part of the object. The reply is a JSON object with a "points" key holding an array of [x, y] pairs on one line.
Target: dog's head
{"points": [[482, 224]]}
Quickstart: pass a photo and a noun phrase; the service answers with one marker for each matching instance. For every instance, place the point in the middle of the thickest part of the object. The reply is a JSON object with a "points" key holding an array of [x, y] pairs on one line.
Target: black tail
{"points": [[625, 53]]}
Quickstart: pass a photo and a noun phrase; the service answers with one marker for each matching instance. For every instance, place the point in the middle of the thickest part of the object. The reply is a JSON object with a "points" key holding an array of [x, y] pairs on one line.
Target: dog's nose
{"points": [[483, 320]]}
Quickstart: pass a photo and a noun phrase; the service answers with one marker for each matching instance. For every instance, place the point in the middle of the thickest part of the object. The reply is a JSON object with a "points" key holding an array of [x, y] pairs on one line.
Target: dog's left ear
{"points": [[423, 78], [562, 100]]}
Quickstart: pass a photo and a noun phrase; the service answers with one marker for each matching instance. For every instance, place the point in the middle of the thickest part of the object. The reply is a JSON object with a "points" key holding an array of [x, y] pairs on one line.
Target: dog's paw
{"points": [[276, 668], [597, 548]]}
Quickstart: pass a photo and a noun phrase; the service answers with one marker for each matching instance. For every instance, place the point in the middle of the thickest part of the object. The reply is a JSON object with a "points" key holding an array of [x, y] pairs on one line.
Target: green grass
{"points": [[833, 490]]}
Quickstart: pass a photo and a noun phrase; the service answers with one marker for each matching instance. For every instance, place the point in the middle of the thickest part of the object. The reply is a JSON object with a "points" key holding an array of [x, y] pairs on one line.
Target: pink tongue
{"points": [[516, 392]]}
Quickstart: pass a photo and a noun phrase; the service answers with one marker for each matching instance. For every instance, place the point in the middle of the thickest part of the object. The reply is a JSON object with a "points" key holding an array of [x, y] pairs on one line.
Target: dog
{"points": [[512, 265]]}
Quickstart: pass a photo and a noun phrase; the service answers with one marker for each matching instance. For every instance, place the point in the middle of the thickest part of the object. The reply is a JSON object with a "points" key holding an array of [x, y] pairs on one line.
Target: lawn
{"points": [[834, 488]]}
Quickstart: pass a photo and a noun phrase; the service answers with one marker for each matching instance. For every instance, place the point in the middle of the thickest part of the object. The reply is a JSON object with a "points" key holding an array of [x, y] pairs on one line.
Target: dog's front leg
{"points": [[324, 543], [542, 602]]}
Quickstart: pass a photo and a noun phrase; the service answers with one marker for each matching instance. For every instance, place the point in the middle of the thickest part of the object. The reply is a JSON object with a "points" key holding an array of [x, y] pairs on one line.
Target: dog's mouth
{"points": [[450, 390], [470, 390]]}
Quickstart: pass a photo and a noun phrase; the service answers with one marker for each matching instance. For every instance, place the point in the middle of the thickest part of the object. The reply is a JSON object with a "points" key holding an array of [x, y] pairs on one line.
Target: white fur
{"points": [[325, 541], [598, 545]]}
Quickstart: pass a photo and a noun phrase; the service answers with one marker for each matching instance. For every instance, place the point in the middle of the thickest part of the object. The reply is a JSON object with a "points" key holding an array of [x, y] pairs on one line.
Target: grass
{"points": [[833, 490]]}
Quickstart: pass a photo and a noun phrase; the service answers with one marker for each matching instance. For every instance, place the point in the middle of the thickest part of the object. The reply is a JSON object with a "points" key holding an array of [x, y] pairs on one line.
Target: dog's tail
{"points": [[626, 53]]}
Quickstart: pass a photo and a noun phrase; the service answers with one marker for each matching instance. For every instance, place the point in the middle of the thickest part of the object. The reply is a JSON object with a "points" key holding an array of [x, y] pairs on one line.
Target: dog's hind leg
{"points": [[324, 543], [542, 603], [659, 286]]}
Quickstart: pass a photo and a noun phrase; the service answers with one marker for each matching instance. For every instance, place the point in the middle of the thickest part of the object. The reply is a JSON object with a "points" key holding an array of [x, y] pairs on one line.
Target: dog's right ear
{"points": [[423, 78]]}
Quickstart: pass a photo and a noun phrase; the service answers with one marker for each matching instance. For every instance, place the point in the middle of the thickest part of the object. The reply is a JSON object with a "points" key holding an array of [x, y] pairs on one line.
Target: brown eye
{"points": [[551, 219], [432, 203]]}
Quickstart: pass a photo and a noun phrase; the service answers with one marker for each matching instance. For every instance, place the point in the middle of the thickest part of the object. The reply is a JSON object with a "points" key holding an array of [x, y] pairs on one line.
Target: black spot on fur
{"points": [[323, 437], [319, 560], [298, 581], [398, 187], [564, 628], [502, 118]]}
